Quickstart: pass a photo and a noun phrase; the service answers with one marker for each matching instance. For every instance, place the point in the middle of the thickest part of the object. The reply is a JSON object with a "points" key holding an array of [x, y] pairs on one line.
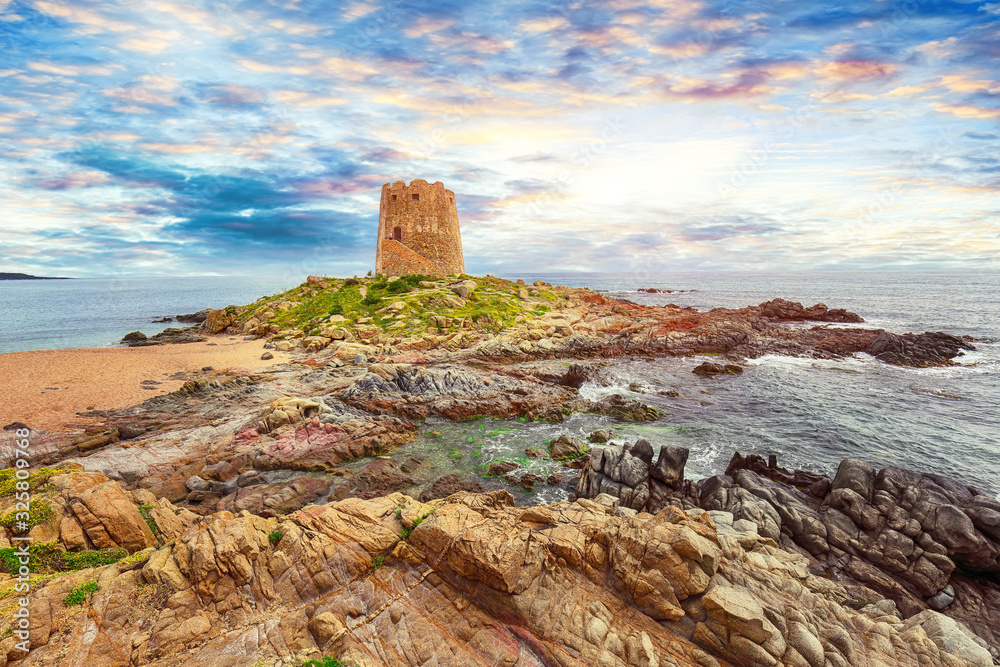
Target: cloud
{"points": [[262, 130], [230, 96], [216, 211], [857, 70], [298, 98], [152, 42], [719, 232], [967, 110]]}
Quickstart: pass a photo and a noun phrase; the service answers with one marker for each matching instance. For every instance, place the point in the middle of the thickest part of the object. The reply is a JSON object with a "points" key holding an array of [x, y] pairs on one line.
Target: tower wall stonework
{"points": [[422, 217]]}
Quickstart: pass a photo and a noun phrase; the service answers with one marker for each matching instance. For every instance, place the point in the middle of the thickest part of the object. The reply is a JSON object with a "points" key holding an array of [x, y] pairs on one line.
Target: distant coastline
{"points": [[25, 276]]}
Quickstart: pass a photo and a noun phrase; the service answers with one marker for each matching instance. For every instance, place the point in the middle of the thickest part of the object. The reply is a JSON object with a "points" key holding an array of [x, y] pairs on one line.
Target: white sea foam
{"points": [[703, 460], [595, 392], [936, 392], [779, 360]]}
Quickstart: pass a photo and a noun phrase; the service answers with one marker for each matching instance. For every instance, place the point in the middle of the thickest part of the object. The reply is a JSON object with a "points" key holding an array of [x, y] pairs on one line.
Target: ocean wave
{"points": [[780, 360], [595, 392], [703, 460], [939, 393]]}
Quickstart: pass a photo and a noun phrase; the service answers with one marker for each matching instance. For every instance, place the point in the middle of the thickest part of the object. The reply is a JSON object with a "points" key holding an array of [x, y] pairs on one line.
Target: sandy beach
{"points": [[47, 388]]}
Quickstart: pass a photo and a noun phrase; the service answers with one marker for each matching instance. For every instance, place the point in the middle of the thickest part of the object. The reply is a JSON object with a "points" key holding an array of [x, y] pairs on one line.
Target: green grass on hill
{"points": [[493, 306]]}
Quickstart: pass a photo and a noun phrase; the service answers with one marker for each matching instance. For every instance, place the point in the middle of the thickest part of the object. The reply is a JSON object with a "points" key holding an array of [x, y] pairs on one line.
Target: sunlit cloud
{"points": [[967, 110], [71, 71], [857, 70]]}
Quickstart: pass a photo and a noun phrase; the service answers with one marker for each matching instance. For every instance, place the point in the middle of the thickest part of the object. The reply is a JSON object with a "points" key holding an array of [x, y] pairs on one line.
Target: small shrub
{"points": [[145, 511], [275, 537], [371, 300], [134, 558], [325, 661], [398, 287], [81, 593], [414, 279], [81, 560], [38, 512], [378, 562], [406, 532], [39, 557], [8, 481], [49, 556]]}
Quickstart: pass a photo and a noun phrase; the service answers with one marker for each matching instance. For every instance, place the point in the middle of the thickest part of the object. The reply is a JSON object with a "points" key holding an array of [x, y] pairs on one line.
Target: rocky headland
{"points": [[273, 516]]}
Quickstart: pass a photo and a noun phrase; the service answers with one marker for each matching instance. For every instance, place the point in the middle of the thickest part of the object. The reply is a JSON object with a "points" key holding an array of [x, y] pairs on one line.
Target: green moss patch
{"points": [[9, 480], [146, 512], [38, 512], [493, 306], [49, 557], [81, 593]]}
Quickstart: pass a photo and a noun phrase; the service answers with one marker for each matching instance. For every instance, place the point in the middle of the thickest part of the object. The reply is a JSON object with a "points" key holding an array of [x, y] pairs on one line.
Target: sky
{"points": [[175, 137]]}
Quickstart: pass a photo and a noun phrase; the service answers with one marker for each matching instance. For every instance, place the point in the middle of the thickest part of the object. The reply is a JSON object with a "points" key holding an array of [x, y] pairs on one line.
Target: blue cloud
{"points": [[249, 210]]}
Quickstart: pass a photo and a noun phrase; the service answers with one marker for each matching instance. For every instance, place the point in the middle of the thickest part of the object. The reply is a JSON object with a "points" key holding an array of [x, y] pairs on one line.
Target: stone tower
{"points": [[418, 230]]}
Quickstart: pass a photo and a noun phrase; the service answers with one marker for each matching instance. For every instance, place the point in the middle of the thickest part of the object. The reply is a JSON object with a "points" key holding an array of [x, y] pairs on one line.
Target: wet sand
{"points": [[45, 389]]}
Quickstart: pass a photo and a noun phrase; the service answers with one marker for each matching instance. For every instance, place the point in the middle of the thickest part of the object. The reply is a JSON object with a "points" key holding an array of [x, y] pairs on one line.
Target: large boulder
{"points": [[951, 636], [780, 309], [217, 321], [617, 472], [709, 368], [107, 515], [464, 289], [275, 499], [621, 408], [669, 467], [857, 475], [926, 349], [629, 473], [289, 411], [565, 447]]}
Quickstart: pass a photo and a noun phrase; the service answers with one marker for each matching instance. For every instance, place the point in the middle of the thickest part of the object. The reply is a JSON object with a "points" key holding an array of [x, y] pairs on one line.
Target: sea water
{"points": [[61, 314], [811, 413], [814, 413]]}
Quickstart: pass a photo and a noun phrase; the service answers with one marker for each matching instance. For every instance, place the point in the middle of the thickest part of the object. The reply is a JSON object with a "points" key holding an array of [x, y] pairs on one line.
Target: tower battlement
{"points": [[418, 230]]}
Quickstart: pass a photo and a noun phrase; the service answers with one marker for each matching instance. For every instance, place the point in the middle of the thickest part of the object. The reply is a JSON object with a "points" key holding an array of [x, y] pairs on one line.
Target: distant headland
{"points": [[25, 276]]}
